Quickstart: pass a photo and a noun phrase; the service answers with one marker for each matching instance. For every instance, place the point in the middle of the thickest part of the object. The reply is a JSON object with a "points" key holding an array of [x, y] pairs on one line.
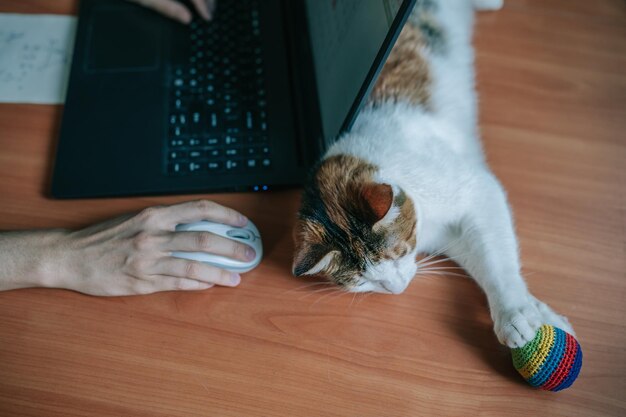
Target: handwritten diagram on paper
{"points": [[35, 57]]}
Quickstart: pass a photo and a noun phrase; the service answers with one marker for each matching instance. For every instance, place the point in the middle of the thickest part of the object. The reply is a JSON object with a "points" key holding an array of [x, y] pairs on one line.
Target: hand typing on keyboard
{"points": [[124, 256], [218, 122], [178, 11]]}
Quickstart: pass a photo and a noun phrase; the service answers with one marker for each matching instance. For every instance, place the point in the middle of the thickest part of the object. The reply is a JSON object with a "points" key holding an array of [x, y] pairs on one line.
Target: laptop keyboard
{"points": [[217, 111]]}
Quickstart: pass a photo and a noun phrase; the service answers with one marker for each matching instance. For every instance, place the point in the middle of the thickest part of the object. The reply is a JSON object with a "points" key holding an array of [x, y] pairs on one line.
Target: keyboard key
{"points": [[257, 139], [177, 168], [213, 141], [258, 150], [196, 154], [233, 165], [214, 153], [214, 166], [213, 120], [176, 155], [231, 140]]}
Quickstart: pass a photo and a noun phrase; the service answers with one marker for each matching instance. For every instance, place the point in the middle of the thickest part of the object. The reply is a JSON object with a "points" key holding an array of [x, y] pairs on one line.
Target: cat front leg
{"points": [[485, 245], [488, 4]]}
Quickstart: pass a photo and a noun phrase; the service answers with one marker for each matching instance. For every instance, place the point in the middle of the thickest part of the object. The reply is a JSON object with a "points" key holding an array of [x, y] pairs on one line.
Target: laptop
{"points": [[246, 102]]}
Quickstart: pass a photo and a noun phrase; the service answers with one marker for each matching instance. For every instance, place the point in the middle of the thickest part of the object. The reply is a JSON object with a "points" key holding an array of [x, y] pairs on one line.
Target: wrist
{"points": [[50, 259], [27, 258]]}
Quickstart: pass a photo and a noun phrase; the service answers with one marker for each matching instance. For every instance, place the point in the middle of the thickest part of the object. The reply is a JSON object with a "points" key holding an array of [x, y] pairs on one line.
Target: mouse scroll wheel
{"points": [[240, 234]]}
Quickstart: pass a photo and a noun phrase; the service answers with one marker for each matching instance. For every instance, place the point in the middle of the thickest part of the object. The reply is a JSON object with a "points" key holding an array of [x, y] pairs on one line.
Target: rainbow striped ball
{"points": [[551, 361]]}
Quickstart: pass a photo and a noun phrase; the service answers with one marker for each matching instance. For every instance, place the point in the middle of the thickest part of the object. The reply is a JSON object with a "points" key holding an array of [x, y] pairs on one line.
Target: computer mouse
{"points": [[248, 235]]}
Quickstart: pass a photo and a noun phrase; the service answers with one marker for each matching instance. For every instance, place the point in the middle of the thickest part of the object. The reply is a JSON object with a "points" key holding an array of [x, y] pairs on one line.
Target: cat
{"points": [[411, 178]]}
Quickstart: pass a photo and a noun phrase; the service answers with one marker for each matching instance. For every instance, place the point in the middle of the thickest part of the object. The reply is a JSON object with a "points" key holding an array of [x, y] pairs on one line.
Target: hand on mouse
{"points": [[178, 11], [124, 256]]}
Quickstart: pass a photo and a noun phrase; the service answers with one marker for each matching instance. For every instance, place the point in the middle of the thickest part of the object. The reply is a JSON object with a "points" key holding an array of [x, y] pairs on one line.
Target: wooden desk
{"points": [[553, 90]]}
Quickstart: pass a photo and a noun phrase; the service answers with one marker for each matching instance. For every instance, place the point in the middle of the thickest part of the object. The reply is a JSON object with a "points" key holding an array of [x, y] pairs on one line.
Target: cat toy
{"points": [[551, 361]]}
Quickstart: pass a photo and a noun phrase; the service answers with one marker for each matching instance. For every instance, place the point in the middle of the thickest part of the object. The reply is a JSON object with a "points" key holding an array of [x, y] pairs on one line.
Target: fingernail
{"points": [[250, 254], [184, 17], [243, 220], [212, 7], [235, 279]]}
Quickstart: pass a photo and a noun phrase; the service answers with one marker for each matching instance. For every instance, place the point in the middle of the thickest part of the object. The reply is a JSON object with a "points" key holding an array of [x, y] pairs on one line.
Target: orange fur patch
{"points": [[340, 177], [405, 76]]}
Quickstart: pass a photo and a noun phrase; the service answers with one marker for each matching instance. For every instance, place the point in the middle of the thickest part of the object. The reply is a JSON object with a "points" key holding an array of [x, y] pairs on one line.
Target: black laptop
{"points": [[246, 102]]}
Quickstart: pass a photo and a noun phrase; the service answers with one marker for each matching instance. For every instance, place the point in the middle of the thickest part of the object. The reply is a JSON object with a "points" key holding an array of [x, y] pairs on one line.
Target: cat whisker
{"points": [[442, 273], [438, 261], [316, 292], [442, 268], [325, 296], [426, 259], [307, 286], [422, 262], [352, 301], [365, 295]]}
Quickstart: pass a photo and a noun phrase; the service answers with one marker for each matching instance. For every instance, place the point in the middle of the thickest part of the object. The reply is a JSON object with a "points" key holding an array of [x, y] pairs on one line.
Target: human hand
{"points": [[131, 254], [178, 11]]}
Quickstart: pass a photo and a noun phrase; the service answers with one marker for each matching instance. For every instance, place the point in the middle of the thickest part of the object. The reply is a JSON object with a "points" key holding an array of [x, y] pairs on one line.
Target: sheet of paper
{"points": [[35, 57]]}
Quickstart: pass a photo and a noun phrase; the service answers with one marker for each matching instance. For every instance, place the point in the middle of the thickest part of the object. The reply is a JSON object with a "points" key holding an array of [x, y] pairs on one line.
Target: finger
{"points": [[183, 268], [166, 283], [202, 8], [203, 210], [212, 5], [170, 8], [210, 243]]}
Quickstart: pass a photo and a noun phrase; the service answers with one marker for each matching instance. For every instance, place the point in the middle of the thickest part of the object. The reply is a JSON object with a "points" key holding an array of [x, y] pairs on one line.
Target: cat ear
{"points": [[378, 201], [311, 259]]}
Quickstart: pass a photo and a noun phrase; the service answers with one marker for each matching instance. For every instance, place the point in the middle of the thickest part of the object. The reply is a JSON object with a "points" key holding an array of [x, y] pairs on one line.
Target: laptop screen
{"points": [[346, 36]]}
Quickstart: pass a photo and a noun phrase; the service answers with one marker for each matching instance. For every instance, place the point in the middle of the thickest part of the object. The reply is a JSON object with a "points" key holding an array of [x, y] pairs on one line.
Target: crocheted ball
{"points": [[551, 361]]}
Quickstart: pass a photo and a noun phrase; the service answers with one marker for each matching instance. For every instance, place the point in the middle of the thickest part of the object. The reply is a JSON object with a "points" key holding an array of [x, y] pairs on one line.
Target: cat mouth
{"points": [[387, 289]]}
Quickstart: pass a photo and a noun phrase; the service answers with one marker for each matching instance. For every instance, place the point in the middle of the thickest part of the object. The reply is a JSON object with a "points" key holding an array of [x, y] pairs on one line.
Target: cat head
{"points": [[355, 229]]}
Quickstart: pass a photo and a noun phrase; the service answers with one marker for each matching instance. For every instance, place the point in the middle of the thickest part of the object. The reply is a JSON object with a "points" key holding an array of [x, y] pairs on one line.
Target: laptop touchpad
{"points": [[123, 40]]}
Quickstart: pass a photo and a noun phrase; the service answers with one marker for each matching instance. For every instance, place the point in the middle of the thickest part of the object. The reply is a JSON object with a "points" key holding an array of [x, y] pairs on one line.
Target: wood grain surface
{"points": [[552, 82]]}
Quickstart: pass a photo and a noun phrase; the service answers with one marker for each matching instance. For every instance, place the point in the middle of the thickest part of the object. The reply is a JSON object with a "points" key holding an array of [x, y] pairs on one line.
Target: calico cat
{"points": [[410, 178]]}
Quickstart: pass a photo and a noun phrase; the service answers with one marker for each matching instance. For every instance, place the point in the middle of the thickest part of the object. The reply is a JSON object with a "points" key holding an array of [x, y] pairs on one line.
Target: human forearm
{"points": [[124, 256], [28, 258]]}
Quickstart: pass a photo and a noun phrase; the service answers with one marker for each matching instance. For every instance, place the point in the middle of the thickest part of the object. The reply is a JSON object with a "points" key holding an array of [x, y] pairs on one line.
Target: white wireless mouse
{"points": [[248, 235]]}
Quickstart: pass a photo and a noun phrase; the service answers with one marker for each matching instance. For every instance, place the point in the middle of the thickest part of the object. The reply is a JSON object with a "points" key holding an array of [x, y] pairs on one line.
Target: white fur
{"points": [[322, 264], [436, 158]]}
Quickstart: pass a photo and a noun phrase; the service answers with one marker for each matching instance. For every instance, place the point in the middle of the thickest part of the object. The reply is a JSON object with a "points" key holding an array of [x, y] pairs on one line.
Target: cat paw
{"points": [[548, 316], [516, 327]]}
